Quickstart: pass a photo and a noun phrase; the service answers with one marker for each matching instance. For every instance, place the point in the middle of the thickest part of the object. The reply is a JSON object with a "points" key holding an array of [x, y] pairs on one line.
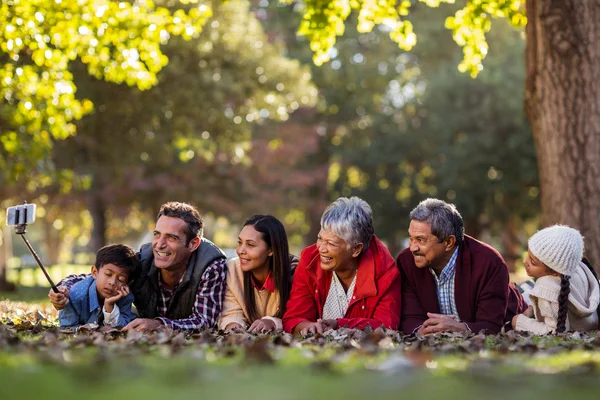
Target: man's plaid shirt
{"points": [[209, 299], [208, 304], [445, 286]]}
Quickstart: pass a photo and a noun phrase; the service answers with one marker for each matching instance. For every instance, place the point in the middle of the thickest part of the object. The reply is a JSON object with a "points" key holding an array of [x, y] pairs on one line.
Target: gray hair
{"points": [[350, 219], [444, 218]]}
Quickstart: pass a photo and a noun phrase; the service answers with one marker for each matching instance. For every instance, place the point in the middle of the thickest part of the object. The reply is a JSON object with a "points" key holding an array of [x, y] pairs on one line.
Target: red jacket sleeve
{"points": [[492, 301], [387, 309], [302, 305]]}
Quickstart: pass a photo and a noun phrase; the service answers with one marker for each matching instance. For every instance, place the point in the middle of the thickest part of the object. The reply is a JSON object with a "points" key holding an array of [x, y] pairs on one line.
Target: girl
{"points": [[259, 279], [566, 293]]}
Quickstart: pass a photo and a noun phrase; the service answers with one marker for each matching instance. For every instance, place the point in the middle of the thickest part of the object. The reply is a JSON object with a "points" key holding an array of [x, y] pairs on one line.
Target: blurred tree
{"points": [[352, 93], [39, 41], [187, 138], [397, 127], [562, 85]]}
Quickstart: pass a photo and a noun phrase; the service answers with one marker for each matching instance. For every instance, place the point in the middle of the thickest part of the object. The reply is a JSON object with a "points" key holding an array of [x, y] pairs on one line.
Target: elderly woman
{"points": [[348, 278]]}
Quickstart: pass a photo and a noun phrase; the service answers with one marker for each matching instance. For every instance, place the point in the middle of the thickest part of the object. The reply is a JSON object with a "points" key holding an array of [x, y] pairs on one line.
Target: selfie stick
{"points": [[21, 230]]}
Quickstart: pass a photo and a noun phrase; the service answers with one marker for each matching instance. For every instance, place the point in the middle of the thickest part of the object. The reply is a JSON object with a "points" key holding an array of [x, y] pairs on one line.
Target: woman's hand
{"points": [[328, 324], [262, 326], [304, 328], [234, 327]]}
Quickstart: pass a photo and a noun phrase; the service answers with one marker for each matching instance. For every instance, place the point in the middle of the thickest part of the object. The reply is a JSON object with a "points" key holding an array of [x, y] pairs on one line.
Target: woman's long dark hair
{"points": [[273, 233]]}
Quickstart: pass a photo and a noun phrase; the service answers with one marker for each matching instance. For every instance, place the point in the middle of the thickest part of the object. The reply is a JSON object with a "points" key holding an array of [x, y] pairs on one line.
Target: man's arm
{"points": [[492, 301], [413, 315], [209, 300]]}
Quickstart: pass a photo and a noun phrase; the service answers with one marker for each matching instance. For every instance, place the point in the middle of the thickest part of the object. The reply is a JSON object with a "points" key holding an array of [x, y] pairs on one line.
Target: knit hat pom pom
{"points": [[559, 247]]}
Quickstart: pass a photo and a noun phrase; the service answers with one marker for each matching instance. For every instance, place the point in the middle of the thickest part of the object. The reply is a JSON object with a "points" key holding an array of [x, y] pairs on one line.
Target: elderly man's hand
{"points": [[442, 323], [59, 300], [143, 325]]}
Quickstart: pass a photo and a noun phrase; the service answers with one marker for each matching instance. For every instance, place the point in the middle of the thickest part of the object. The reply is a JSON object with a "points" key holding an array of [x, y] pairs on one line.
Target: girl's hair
{"points": [[563, 303], [273, 233]]}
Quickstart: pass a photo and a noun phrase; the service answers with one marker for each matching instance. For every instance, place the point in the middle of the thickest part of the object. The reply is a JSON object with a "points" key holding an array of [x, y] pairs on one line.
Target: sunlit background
{"points": [[241, 121]]}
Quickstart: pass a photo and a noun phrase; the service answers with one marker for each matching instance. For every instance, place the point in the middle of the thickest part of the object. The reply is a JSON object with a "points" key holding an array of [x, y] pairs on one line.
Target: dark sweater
{"points": [[481, 289], [146, 291]]}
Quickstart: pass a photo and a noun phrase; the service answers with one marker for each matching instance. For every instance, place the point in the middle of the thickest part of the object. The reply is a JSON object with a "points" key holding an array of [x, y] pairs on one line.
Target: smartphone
{"points": [[20, 215]]}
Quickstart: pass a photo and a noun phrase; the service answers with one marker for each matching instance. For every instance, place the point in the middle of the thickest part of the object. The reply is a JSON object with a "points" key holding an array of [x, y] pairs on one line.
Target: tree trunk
{"points": [[318, 192], [511, 243], [97, 208], [5, 255], [562, 101]]}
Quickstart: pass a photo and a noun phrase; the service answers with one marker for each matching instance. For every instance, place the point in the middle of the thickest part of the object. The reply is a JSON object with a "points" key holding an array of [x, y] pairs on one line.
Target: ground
{"points": [[39, 360]]}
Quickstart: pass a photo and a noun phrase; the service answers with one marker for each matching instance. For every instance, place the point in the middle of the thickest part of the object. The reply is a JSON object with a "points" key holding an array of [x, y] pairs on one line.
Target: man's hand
{"points": [[441, 323], [143, 325], [234, 327], [262, 326], [109, 304], [59, 300], [328, 324]]}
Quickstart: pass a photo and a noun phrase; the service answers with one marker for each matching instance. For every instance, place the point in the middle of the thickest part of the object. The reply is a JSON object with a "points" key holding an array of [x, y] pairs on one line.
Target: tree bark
{"points": [[562, 101], [5, 255], [318, 192], [97, 208]]}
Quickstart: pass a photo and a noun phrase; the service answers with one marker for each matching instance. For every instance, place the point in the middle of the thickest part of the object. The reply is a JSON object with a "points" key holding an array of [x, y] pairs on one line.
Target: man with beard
{"points": [[452, 282]]}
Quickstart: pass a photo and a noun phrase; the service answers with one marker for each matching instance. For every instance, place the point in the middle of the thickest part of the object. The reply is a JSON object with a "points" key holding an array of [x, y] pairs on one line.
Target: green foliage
{"points": [[323, 21], [189, 136], [397, 127], [117, 41]]}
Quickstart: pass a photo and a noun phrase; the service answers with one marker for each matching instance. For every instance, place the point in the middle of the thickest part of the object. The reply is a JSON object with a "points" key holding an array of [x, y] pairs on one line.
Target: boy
{"points": [[104, 297]]}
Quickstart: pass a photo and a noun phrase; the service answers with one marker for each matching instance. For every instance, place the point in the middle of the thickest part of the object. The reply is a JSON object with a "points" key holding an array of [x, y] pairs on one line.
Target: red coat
{"points": [[376, 298], [484, 298]]}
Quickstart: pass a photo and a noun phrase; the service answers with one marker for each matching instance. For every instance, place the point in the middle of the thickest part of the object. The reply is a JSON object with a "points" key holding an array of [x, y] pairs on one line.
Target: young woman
{"points": [[259, 279], [566, 293]]}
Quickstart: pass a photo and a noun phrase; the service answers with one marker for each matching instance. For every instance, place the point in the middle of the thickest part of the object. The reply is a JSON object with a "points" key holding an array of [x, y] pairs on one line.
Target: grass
{"points": [[67, 370], [190, 376], [32, 295]]}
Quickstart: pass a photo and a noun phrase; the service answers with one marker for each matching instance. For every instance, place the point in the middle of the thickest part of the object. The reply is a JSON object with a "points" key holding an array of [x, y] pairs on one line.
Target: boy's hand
{"points": [[59, 300], [109, 303]]}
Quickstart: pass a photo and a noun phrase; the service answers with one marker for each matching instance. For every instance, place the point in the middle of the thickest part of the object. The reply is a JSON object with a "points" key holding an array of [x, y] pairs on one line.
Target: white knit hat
{"points": [[559, 247]]}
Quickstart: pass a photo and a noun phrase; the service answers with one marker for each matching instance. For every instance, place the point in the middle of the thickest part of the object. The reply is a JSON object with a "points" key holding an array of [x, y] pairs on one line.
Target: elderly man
{"points": [[182, 281], [450, 281]]}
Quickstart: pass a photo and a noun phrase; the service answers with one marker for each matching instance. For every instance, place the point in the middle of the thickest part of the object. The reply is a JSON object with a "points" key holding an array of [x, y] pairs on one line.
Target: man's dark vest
{"points": [[145, 288]]}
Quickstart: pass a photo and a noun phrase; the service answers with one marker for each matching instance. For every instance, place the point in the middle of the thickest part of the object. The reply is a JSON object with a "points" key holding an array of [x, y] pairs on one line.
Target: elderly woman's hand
{"points": [[311, 327], [328, 324]]}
